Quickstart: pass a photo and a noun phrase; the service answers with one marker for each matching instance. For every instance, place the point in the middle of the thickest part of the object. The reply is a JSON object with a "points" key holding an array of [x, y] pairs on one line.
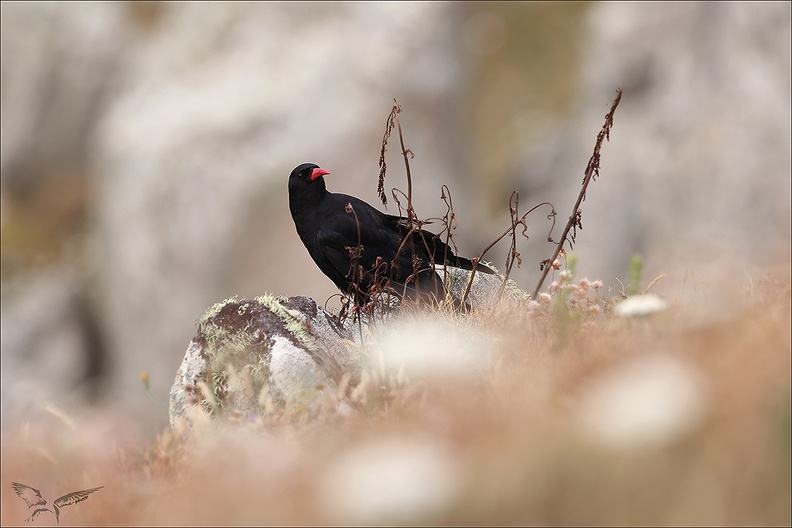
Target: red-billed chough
{"points": [[363, 250]]}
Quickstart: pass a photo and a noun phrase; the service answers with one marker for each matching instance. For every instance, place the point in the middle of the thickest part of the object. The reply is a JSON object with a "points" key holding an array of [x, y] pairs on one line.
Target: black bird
{"points": [[363, 250], [33, 497]]}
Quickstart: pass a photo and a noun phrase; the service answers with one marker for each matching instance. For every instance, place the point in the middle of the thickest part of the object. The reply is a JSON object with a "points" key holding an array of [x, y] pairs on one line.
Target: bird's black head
{"points": [[307, 173], [306, 186]]}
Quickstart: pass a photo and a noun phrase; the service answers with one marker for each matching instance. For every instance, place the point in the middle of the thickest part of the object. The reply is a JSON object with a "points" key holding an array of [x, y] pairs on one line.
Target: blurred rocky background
{"points": [[146, 148]]}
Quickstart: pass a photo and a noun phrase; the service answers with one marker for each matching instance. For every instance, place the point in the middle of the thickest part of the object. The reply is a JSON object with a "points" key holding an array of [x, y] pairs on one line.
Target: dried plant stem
{"points": [[382, 163], [513, 255], [511, 229], [592, 171], [411, 216]]}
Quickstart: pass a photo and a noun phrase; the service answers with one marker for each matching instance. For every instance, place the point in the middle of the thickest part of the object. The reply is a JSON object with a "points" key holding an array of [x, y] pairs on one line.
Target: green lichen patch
{"points": [[237, 339], [215, 309], [292, 320]]}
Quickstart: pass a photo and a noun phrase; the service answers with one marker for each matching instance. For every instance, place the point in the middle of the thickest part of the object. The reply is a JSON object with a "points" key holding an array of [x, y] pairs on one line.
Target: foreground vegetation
{"points": [[569, 411]]}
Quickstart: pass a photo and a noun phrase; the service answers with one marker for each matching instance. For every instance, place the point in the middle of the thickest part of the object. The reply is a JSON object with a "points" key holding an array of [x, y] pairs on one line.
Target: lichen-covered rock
{"points": [[485, 290], [249, 355]]}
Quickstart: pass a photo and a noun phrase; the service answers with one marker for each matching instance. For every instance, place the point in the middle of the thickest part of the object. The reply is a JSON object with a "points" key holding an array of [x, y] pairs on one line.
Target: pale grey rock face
{"points": [[57, 63], [485, 290], [696, 174], [49, 346], [294, 373], [184, 391]]}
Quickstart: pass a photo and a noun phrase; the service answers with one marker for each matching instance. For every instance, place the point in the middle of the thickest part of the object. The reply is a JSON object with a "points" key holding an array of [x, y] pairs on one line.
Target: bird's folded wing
{"points": [[335, 252], [434, 246]]}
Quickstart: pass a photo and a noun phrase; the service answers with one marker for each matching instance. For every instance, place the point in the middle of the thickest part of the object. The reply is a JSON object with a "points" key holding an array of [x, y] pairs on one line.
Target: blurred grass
{"points": [[513, 433]]}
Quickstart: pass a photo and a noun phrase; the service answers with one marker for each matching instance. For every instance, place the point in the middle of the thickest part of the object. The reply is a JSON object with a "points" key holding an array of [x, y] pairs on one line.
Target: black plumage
{"points": [[363, 250]]}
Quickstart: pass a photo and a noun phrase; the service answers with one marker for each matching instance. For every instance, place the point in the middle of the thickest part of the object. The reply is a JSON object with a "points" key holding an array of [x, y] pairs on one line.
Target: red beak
{"points": [[318, 173]]}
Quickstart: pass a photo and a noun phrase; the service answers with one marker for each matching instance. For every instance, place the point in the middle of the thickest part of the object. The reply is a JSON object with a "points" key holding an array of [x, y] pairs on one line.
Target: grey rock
{"points": [[57, 64], [251, 355], [50, 346], [485, 290], [696, 173]]}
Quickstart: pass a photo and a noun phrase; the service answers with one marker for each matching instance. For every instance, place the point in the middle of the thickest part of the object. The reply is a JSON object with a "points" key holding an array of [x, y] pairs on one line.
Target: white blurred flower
{"points": [[646, 401], [640, 305], [393, 482], [430, 347], [534, 305]]}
